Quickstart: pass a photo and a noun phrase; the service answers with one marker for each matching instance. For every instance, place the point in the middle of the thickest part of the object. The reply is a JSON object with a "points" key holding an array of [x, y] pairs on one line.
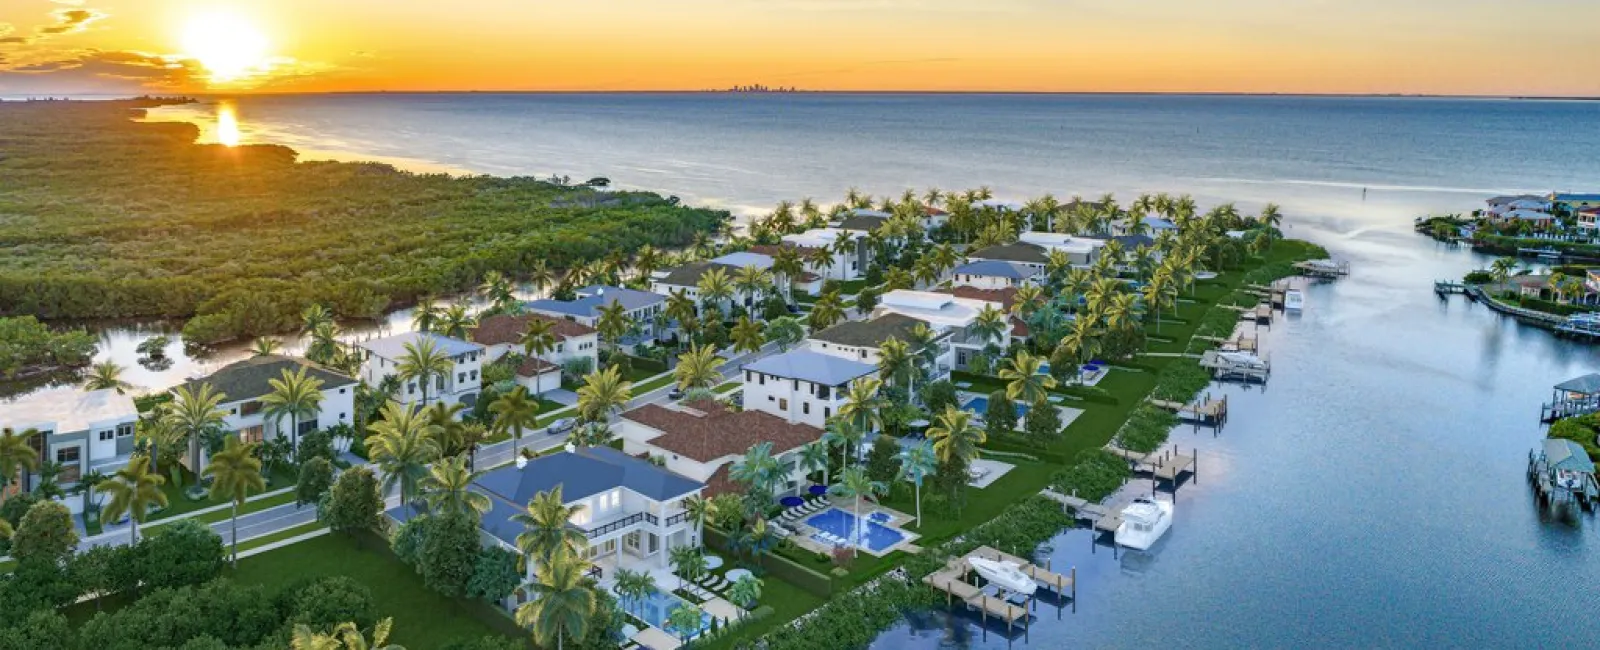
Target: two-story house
{"points": [[1080, 251], [501, 334], [801, 386], [82, 430], [863, 339], [243, 384], [992, 274], [703, 440], [641, 307], [847, 264], [948, 315], [630, 511], [460, 385]]}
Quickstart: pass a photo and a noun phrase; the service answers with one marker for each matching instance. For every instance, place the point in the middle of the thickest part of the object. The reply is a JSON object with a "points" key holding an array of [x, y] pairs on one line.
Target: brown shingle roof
{"points": [[501, 328], [534, 366], [870, 333], [706, 432]]}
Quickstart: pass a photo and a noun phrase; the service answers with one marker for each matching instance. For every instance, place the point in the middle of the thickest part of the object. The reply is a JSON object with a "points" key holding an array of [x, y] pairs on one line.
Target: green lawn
{"points": [[178, 504], [294, 531], [422, 618]]}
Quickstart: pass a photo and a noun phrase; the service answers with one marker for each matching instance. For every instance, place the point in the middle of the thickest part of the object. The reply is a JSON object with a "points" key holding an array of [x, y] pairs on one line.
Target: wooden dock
{"points": [[1446, 288], [1210, 412], [959, 582], [1223, 370], [1263, 314], [1323, 268]]}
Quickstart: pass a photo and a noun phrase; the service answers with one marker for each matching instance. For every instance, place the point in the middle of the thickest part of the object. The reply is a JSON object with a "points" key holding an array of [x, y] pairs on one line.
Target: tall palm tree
{"points": [[700, 509], [613, 323], [514, 412], [314, 316], [759, 469], [679, 306], [264, 346], [401, 446], [788, 266], [133, 490], [324, 346], [747, 335], [540, 276], [564, 604], [897, 363], [425, 317], [456, 321], [917, 463], [633, 585], [448, 489], [1025, 382], [697, 368], [1501, 269], [646, 260], [954, 436], [16, 456], [548, 533], [235, 472], [1158, 293], [862, 403], [538, 337], [989, 326], [716, 288], [813, 457], [295, 395], [752, 280], [422, 362], [827, 312], [496, 288], [104, 375], [449, 430], [602, 393], [843, 432], [854, 484], [195, 412]]}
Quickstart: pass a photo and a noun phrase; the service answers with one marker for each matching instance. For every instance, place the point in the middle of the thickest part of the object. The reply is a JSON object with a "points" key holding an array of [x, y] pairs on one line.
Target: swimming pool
{"points": [[880, 517], [980, 405], [868, 535], [655, 607]]}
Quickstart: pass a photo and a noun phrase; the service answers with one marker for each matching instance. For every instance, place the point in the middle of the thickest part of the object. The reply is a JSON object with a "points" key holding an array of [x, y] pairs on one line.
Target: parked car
{"points": [[562, 425], [675, 393]]}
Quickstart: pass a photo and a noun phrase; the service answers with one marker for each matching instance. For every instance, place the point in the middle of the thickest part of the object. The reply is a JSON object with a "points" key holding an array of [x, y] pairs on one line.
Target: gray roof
{"points": [[1566, 454], [252, 378], [1587, 384], [815, 367], [1128, 242], [1013, 252], [869, 333], [864, 222], [592, 298], [585, 473], [394, 347], [996, 269], [689, 274]]}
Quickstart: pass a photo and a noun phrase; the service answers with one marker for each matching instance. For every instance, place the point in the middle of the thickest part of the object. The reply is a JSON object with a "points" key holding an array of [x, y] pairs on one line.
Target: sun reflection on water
{"points": [[227, 125]]}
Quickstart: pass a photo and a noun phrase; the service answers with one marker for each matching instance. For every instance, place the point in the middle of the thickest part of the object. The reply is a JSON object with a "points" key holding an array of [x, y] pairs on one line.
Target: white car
{"points": [[562, 425]]}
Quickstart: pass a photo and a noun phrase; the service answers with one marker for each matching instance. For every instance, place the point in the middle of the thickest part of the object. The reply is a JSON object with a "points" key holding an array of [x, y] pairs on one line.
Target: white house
{"points": [[1081, 251], [1023, 253], [243, 384], [82, 430], [801, 386], [632, 512], [703, 440], [642, 307], [501, 334], [946, 314], [992, 274], [846, 265], [862, 340], [381, 359]]}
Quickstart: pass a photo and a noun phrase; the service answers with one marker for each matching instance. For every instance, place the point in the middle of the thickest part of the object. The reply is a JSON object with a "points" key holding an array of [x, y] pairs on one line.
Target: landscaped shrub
{"points": [[1096, 475], [324, 603], [184, 552]]}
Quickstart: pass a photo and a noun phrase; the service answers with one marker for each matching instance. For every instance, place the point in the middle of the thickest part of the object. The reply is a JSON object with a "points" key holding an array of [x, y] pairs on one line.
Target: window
{"points": [[251, 434], [783, 404], [461, 378], [249, 408], [748, 376], [863, 353], [827, 412], [70, 471], [763, 381], [124, 430], [473, 375], [795, 383], [411, 388], [341, 391], [824, 392], [805, 407], [107, 436]]}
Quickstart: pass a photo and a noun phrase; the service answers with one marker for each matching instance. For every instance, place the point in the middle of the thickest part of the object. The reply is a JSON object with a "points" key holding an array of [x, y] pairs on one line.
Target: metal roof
{"points": [[1588, 384], [394, 347], [1568, 455], [996, 269], [742, 259], [815, 367], [583, 474], [591, 298]]}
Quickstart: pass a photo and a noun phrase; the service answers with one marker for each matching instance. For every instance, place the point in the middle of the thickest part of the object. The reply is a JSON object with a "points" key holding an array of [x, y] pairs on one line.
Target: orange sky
{"points": [[1525, 47]]}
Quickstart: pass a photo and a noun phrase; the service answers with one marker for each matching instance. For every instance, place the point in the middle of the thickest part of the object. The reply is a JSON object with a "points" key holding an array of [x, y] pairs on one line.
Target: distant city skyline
{"points": [[1424, 47]]}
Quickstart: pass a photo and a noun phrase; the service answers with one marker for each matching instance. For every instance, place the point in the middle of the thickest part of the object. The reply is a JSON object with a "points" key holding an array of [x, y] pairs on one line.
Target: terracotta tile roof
{"points": [[534, 366], [707, 431], [1007, 297], [1018, 328], [720, 483], [933, 211], [501, 328]]}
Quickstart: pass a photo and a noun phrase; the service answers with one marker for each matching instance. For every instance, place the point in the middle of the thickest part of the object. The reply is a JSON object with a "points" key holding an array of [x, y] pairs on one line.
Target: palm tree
{"points": [[496, 288], [750, 281], [514, 412], [854, 484], [456, 321], [745, 591], [1158, 293], [688, 562], [401, 446], [104, 375], [195, 412], [449, 430], [759, 469], [1029, 298], [447, 489], [827, 311], [133, 490], [897, 363], [715, 288], [591, 434], [346, 636], [862, 403], [235, 472], [426, 315], [1271, 216], [953, 435], [264, 346], [538, 337], [564, 604], [814, 456], [315, 316], [16, 455], [324, 345], [843, 432], [548, 534], [602, 393], [422, 361], [633, 585], [697, 368], [295, 395], [788, 265], [917, 463], [1026, 383], [1502, 268], [990, 325], [700, 509], [613, 323], [747, 335]]}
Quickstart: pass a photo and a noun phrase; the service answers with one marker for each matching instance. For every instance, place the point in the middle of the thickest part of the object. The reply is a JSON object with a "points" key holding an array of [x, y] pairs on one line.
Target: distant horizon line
{"points": [[1087, 93]]}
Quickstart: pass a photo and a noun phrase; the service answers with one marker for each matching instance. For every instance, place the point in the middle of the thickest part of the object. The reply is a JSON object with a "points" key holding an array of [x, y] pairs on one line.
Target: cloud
{"points": [[5, 35], [71, 20], [101, 71]]}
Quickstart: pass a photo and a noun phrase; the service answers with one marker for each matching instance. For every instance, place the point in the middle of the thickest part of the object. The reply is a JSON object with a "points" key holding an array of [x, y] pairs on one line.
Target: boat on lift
{"points": [[1294, 300], [1006, 575], [1143, 522], [1242, 360]]}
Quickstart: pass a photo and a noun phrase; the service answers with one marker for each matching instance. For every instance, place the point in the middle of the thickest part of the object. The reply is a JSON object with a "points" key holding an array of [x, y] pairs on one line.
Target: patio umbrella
{"points": [[818, 490], [790, 502]]}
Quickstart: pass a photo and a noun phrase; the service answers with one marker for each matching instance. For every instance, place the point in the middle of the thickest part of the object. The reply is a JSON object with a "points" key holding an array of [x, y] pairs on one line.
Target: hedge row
{"points": [[785, 568]]}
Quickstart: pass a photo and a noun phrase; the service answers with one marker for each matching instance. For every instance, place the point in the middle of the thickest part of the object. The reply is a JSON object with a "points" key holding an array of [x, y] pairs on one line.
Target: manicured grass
{"points": [[294, 531], [178, 503], [641, 388], [981, 505], [788, 602], [422, 618]]}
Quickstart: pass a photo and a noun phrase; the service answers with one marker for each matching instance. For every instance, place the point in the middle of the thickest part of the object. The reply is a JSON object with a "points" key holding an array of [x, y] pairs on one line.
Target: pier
{"points": [[1323, 268], [1572, 398], [1580, 326], [1223, 368], [958, 582], [1208, 412], [1448, 287], [1562, 473]]}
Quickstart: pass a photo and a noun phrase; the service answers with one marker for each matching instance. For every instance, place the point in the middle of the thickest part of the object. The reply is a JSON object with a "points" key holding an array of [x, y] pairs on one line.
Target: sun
{"points": [[229, 46]]}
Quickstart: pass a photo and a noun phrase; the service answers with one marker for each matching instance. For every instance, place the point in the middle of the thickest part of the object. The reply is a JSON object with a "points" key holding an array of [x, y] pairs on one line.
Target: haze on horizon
{"points": [[1444, 47]]}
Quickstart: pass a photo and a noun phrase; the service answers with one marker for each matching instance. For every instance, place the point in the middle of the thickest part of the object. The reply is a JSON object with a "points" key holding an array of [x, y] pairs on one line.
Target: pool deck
{"points": [[803, 530]]}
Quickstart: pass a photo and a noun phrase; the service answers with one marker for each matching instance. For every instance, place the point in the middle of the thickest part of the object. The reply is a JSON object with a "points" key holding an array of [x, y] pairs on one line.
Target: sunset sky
{"points": [[1520, 47]]}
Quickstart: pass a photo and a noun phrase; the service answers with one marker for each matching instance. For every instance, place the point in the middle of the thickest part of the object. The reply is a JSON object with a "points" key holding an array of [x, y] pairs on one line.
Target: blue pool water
{"points": [[980, 405], [880, 517], [869, 535], [655, 607]]}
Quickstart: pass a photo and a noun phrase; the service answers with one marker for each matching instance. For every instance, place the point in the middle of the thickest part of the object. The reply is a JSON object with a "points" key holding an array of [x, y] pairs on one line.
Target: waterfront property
{"points": [[847, 263], [801, 386], [1562, 472], [84, 431], [957, 580], [873, 532], [863, 340], [244, 384], [947, 315], [501, 334], [1573, 397], [381, 360], [703, 440], [640, 306]]}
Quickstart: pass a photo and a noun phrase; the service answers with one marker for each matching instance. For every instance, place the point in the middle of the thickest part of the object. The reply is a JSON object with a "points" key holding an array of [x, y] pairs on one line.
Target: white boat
{"points": [[1143, 522], [1005, 574], [1324, 265], [1243, 360], [1294, 300]]}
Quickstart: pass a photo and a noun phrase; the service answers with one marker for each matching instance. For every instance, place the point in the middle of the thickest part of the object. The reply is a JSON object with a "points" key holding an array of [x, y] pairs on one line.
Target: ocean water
{"points": [[1371, 495]]}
